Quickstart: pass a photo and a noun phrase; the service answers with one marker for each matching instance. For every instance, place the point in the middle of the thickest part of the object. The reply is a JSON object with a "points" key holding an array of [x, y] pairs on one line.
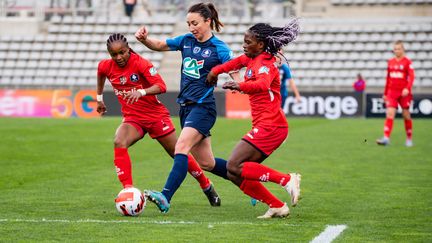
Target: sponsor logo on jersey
{"points": [[123, 80], [153, 71], [134, 77], [263, 69], [196, 49], [191, 67], [249, 73], [396, 75], [206, 53], [184, 47]]}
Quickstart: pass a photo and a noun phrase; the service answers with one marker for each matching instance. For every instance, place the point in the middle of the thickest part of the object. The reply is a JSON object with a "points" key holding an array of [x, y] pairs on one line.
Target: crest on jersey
{"points": [[249, 73], [134, 77], [206, 53], [191, 67], [196, 49], [153, 71], [123, 80], [263, 69]]}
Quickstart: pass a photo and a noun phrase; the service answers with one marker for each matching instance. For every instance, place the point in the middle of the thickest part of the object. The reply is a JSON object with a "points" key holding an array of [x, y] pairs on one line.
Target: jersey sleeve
{"points": [[102, 68], [411, 75], [175, 44], [264, 77], [150, 73], [234, 64]]}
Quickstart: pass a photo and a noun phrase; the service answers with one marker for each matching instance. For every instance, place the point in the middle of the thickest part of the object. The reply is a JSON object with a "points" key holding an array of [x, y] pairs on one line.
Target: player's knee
{"points": [[182, 147], [120, 143]]}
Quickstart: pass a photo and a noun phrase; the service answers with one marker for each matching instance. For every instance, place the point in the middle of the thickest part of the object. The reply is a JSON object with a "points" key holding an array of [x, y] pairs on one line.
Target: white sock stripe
{"points": [[329, 234]]}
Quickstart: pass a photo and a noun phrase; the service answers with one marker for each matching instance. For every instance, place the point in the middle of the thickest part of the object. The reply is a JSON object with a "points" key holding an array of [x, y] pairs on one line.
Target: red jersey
{"points": [[138, 73], [400, 75], [262, 84]]}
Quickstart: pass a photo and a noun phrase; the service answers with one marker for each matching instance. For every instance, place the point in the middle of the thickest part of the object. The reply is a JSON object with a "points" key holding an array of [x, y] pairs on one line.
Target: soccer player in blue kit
{"points": [[201, 51], [285, 72]]}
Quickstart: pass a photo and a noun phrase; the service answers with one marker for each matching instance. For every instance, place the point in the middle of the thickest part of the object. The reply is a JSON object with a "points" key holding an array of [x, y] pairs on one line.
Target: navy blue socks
{"points": [[176, 176], [220, 168]]}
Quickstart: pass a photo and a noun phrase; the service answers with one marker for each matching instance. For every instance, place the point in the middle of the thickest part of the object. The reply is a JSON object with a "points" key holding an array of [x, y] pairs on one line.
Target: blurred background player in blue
{"points": [[285, 72], [201, 50]]}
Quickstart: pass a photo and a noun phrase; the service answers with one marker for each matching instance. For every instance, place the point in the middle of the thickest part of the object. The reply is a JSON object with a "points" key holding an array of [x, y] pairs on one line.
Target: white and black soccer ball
{"points": [[130, 202]]}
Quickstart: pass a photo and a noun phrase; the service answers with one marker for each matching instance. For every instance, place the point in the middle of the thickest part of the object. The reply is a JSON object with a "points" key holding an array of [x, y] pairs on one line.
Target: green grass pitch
{"points": [[57, 183]]}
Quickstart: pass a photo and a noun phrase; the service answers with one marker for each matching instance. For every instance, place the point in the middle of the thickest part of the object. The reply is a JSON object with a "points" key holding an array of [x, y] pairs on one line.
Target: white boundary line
{"points": [[329, 234], [123, 221]]}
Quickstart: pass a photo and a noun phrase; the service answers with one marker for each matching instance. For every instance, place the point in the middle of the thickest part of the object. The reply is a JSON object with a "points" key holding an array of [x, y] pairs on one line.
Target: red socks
{"points": [[258, 172], [258, 191], [123, 166], [195, 170], [408, 128], [388, 127]]}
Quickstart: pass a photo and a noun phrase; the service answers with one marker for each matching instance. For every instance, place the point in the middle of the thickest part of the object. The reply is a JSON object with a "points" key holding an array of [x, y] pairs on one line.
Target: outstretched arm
{"points": [[232, 65], [153, 44]]}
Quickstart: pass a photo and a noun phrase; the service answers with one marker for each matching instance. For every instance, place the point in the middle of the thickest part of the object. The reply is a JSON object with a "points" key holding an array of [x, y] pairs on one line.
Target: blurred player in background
{"points": [[136, 83], [201, 50], [285, 71], [360, 84], [400, 79], [269, 125]]}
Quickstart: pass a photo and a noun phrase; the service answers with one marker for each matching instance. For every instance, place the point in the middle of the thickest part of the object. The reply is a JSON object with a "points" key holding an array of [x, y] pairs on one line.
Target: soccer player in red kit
{"points": [[269, 124], [136, 83], [400, 79]]}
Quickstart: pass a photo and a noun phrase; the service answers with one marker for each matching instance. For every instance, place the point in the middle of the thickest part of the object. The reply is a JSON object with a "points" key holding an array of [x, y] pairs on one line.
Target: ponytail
{"points": [[208, 11]]}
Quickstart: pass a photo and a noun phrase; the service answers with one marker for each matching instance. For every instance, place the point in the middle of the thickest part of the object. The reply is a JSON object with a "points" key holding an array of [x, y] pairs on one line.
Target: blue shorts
{"points": [[202, 117]]}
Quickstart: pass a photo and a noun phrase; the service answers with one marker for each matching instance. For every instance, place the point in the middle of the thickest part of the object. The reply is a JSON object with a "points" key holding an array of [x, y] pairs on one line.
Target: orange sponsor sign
{"points": [[237, 105]]}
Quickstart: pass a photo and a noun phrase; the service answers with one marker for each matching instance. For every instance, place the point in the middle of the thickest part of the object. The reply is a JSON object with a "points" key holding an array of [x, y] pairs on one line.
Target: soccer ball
{"points": [[130, 202]]}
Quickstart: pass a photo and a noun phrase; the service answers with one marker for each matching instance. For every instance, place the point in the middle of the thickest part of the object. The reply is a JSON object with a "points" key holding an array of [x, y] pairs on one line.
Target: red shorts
{"points": [[266, 139], [394, 97], [155, 128]]}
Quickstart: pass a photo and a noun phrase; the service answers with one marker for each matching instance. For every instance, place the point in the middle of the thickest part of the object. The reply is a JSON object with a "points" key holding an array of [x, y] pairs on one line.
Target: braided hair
{"points": [[208, 11], [274, 38], [117, 37]]}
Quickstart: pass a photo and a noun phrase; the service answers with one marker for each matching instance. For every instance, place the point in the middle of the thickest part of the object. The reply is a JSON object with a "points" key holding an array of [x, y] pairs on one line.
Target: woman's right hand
{"points": [[141, 34], [101, 108]]}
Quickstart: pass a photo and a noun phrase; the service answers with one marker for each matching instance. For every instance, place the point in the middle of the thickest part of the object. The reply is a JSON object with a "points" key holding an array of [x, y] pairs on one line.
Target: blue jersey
{"points": [[286, 75], [198, 58]]}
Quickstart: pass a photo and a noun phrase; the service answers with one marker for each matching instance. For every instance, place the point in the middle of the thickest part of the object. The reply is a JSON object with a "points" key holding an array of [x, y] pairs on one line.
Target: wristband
{"points": [[142, 91], [99, 98]]}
